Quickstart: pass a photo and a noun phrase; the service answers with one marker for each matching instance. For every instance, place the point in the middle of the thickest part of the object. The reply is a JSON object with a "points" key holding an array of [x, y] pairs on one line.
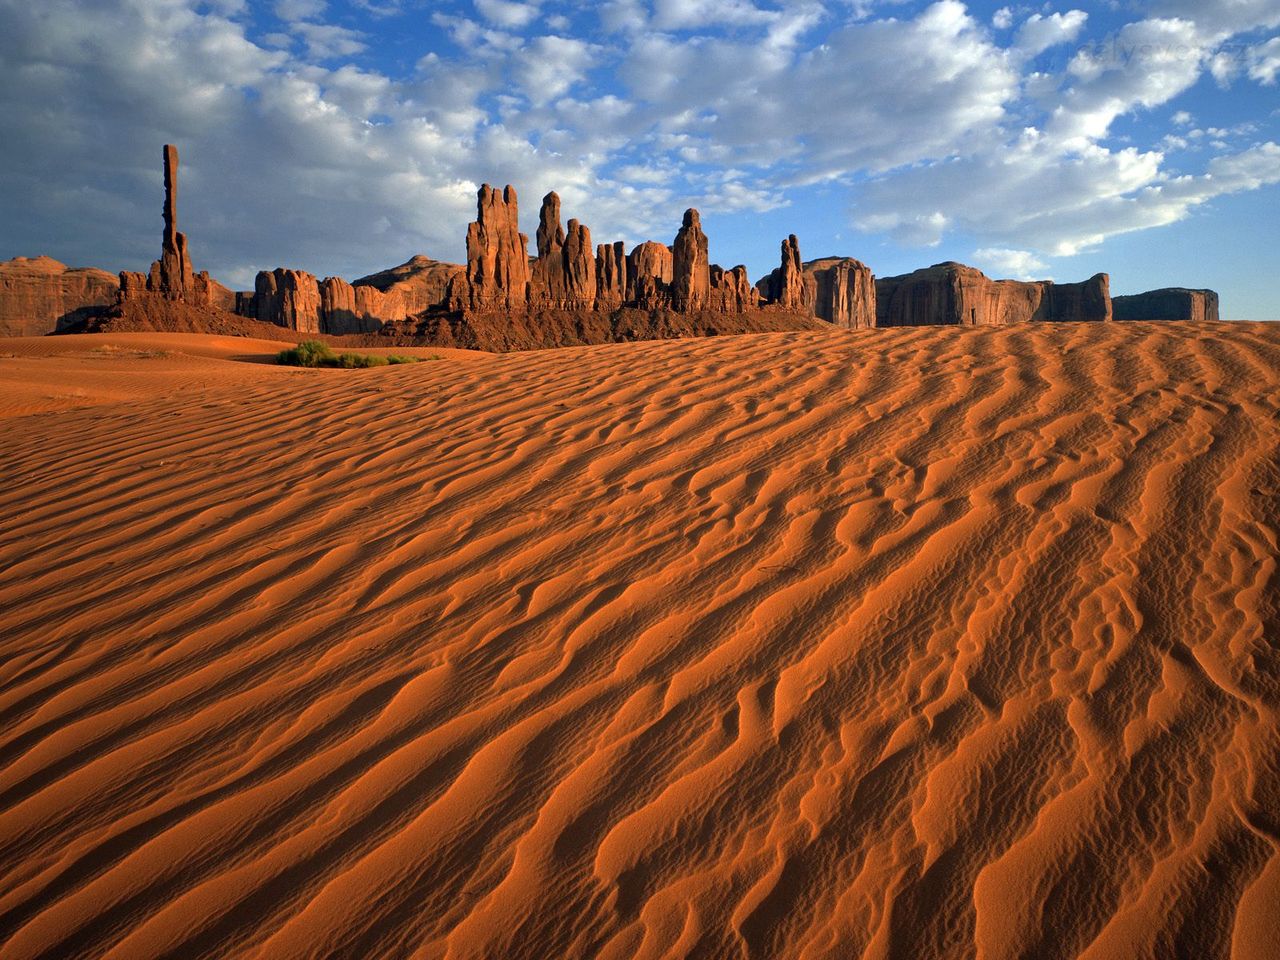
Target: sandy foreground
{"points": [[904, 643]]}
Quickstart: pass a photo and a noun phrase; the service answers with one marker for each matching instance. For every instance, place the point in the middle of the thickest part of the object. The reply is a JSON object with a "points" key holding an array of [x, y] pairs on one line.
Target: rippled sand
{"points": [[904, 643]]}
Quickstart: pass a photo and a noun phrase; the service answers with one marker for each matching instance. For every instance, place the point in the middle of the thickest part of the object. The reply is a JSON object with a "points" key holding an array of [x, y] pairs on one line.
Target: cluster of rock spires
{"points": [[588, 294]]}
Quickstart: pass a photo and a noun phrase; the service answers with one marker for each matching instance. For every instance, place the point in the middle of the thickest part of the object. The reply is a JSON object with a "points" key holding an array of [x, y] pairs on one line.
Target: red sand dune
{"points": [[907, 643]]}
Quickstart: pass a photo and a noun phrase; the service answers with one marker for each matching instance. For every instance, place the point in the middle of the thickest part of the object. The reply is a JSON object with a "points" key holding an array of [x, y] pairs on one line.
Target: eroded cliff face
{"points": [[1171, 303], [39, 295], [952, 293], [611, 275], [649, 272], [297, 300], [422, 283], [844, 292], [498, 271]]}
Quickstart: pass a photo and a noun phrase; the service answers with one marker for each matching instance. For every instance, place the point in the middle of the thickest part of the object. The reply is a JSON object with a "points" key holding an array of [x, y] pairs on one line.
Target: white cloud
{"points": [[291, 10], [872, 96], [622, 16], [1219, 19], [922, 119], [700, 14], [1032, 196], [549, 66], [1145, 64], [1003, 261], [506, 13], [1039, 33], [1264, 62], [327, 41], [1003, 18]]}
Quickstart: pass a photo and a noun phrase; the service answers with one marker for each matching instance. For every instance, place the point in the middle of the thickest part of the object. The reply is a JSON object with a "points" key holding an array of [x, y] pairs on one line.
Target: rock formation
{"points": [[611, 275], [350, 309], [564, 275], [690, 268], [422, 283], [840, 290], [547, 273], [790, 291], [1171, 303], [497, 253], [952, 293], [171, 277], [299, 301], [649, 272], [39, 295], [287, 298], [730, 291], [571, 292], [550, 236], [843, 292], [579, 267]]}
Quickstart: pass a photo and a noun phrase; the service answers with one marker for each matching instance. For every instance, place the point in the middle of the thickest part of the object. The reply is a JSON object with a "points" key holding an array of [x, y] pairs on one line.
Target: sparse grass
{"points": [[111, 350], [315, 353]]}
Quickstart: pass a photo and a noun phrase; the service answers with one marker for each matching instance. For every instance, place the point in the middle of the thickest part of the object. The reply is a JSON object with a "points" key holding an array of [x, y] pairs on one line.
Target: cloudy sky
{"points": [[343, 136]]}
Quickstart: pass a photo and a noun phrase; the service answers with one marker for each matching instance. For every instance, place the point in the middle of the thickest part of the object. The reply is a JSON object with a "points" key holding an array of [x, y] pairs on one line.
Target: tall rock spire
{"points": [[791, 292], [691, 274], [171, 275]]}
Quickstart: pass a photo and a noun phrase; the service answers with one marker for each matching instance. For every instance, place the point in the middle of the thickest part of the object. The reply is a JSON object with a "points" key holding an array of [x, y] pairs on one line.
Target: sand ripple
{"points": [[909, 643]]}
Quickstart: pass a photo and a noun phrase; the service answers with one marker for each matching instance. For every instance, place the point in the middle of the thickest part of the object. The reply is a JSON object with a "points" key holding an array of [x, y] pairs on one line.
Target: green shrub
{"points": [[357, 361], [316, 353], [309, 353]]}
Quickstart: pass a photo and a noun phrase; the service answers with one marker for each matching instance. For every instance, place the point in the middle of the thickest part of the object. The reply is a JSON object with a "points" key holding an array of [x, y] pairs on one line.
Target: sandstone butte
{"points": [[571, 292]]}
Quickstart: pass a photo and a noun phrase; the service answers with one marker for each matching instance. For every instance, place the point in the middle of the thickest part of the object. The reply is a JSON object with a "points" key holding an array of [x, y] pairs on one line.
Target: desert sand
{"points": [[912, 643]]}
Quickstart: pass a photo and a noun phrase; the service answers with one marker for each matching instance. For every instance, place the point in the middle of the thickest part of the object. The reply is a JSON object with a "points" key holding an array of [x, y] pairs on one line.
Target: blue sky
{"points": [[1137, 137]]}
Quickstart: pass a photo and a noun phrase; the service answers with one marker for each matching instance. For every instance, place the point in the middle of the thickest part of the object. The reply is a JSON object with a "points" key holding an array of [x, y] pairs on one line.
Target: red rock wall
{"points": [[40, 295], [1174, 303], [844, 292], [498, 272], [952, 293]]}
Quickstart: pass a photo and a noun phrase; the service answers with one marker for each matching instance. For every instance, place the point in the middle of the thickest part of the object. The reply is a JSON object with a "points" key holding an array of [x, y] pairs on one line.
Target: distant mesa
{"points": [[571, 292], [951, 293], [1172, 303]]}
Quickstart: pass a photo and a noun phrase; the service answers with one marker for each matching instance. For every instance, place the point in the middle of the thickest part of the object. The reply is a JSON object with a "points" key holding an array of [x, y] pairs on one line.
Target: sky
{"points": [[1054, 141]]}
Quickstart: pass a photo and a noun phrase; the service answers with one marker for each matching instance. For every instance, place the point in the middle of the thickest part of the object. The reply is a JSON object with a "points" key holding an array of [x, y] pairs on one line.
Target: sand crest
{"points": [[918, 643]]}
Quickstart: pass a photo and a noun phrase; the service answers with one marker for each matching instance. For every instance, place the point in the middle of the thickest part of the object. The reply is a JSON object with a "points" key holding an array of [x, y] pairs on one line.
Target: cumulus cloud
{"points": [[872, 96], [506, 13], [1039, 33], [1017, 264], [326, 41], [699, 14], [1031, 195], [929, 126], [1264, 62], [549, 66]]}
